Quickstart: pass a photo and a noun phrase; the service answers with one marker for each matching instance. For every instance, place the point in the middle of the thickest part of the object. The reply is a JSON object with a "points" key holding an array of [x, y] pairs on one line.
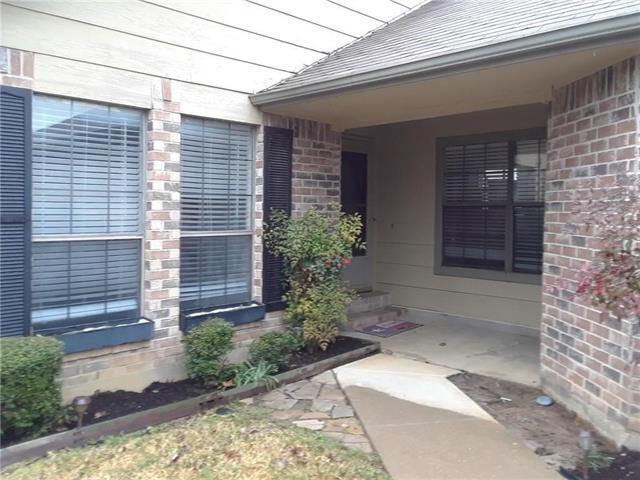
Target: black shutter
{"points": [[278, 145], [15, 210]]}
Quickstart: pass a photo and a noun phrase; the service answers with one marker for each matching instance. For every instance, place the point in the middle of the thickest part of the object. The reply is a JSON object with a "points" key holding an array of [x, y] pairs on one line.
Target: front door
{"points": [[353, 188]]}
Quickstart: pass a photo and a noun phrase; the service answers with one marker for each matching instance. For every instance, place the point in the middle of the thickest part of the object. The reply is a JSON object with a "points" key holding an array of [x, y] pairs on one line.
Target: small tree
{"points": [[315, 248], [612, 280]]}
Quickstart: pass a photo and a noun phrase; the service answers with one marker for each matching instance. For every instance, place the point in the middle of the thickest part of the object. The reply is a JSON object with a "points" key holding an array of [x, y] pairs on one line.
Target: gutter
{"points": [[597, 34]]}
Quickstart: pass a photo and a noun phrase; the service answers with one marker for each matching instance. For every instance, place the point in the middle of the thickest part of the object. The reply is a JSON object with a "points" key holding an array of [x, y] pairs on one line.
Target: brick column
{"points": [[162, 213], [589, 361], [16, 68]]}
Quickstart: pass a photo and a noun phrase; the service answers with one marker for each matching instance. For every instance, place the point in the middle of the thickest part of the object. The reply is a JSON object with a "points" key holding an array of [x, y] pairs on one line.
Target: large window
{"points": [[86, 210], [491, 212], [216, 199]]}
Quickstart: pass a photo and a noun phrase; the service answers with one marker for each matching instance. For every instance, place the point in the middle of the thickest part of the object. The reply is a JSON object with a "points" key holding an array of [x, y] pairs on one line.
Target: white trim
{"points": [[225, 233], [79, 238]]}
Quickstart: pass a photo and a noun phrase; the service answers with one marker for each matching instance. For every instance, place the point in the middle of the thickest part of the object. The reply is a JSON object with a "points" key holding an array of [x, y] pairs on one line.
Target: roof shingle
{"points": [[442, 27]]}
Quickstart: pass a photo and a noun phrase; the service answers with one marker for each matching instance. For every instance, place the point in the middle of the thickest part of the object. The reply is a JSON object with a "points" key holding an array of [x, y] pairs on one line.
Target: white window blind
{"points": [[216, 167], [87, 189]]}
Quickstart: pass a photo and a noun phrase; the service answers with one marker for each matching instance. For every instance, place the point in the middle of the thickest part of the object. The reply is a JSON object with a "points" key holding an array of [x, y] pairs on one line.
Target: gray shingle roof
{"points": [[442, 27]]}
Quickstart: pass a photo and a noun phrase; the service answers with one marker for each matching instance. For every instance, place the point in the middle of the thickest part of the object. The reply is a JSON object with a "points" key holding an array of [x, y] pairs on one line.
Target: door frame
{"points": [[360, 274]]}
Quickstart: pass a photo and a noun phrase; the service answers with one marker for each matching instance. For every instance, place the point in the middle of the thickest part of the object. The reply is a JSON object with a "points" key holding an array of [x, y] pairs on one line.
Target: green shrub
{"points": [[29, 393], [315, 247], [257, 372], [206, 347], [273, 348]]}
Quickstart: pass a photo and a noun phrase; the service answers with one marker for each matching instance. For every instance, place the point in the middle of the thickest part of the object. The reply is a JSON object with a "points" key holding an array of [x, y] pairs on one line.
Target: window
{"points": [[86, 214], [491, 213], [216, 198]]}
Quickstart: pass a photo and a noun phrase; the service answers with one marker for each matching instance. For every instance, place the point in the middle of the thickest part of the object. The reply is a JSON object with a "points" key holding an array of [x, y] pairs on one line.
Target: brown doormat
{"points": [[389, 328]]}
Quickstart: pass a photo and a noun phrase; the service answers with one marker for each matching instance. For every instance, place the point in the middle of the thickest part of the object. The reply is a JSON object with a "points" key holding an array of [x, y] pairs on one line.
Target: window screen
{"points": [[216, 161], [215, 271], [86, 282], [86, 168], [87, 189], [492, 205], [216, 166]]}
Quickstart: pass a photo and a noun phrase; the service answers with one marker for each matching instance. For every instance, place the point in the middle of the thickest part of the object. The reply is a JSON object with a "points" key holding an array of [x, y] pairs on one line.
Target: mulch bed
{"points": [[552, 432], [109, 405], [625, 466]]}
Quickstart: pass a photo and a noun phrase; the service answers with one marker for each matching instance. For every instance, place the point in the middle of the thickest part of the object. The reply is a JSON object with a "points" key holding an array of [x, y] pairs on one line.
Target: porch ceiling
{"points": [[468, 89]]}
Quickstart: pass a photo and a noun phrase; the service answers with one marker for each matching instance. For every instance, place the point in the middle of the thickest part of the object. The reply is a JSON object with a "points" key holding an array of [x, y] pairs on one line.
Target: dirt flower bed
{"points": [[108, 405], [551, 432], [242, 444]]}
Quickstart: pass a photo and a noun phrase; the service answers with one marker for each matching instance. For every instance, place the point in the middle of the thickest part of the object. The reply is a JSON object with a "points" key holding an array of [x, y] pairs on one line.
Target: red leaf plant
{"points": [[612, 215]]}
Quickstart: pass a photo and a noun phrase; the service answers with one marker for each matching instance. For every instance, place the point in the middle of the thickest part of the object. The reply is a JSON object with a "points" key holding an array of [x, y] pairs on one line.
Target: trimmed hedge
{"points": [[30, 399], [273, 348], [207, 346]]}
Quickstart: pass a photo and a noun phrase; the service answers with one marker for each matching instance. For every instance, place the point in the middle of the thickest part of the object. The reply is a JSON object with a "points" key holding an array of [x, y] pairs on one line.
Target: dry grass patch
{"points": [[244, 444]]}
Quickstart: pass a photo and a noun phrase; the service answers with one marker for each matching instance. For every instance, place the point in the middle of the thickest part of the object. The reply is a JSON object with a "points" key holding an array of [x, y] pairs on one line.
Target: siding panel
{"points": [[255, 18], [183, 30], [42, 33], [405, 206]]}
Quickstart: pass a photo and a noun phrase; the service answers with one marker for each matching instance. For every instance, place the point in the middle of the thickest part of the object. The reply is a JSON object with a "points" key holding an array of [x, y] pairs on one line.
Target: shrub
{"points": [[257, 372], [29, 393], [315, 248], [611, 282], [273, 348], [206, 347], [324, 309]]}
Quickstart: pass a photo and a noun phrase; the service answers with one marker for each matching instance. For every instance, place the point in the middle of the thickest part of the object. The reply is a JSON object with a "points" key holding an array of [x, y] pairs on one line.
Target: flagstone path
{"points": [[317, 404]]}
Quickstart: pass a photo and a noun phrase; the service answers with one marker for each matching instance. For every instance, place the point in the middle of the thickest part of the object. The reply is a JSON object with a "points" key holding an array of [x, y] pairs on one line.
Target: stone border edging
{"points": [[154, 416]]}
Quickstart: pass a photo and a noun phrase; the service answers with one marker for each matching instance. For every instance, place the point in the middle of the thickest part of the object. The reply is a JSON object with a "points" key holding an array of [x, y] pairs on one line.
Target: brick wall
{"points": [[589, 361], [134, 366], [16, 68], [317, 151]]}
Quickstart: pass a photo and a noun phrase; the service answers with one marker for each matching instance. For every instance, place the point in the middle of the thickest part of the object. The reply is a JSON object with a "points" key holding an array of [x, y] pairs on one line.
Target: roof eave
{"points": [[597, 34]]}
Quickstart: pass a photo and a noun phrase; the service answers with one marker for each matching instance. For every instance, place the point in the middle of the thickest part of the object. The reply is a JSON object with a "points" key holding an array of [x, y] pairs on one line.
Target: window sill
{"points": [[492, 275], [237, 315], [106, 336]]}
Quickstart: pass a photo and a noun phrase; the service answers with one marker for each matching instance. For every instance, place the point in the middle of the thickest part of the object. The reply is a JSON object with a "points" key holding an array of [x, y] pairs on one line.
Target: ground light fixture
{"points": [[80, 405], [585, 441]]}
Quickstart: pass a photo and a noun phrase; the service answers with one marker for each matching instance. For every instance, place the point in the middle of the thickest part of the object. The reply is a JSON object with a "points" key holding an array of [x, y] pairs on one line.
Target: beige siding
{"points": [[216, 51], [405, 209]]}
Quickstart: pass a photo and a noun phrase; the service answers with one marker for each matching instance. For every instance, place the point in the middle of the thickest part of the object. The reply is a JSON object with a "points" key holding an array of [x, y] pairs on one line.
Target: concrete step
{"points": [[368, 301], [365, 319]]}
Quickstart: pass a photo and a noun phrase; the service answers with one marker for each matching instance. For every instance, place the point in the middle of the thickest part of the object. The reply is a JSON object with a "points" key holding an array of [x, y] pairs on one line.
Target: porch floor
{"points": [[477, 347]]}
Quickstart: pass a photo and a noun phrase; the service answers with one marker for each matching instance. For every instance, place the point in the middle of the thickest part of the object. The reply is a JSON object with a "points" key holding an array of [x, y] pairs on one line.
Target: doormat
{"points": [[389, 328]]}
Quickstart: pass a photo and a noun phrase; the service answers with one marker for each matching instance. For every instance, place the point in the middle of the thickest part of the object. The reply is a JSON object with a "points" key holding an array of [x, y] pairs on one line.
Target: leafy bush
{"points": [[257, 372], [206, 347], [315, 248], [273, 348], [324, 309], [612, 280], [29, 393]]}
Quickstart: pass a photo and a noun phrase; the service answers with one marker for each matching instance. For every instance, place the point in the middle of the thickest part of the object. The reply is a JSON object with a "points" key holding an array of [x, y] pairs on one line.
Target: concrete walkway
{"points": [[425, 428]]}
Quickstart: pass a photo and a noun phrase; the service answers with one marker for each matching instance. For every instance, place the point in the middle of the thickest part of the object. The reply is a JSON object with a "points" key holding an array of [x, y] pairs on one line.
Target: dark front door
{"points": [[353, 185]]}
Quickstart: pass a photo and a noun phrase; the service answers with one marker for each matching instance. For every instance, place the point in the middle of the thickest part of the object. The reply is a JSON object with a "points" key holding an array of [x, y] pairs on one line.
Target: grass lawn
{"points": [[244, 444]]}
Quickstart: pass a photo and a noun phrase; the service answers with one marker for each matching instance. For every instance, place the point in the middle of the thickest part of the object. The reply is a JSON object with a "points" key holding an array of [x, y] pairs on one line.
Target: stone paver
{"points": [[317, 404], [307, 392], [309, 424], [342, 411]]}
